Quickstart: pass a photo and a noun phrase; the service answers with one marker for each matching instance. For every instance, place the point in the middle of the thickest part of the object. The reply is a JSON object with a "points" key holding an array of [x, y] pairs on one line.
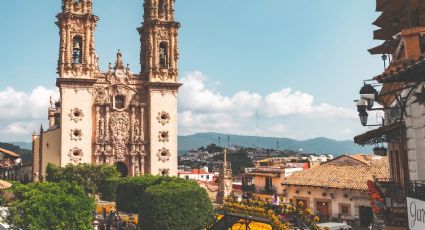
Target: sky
{"points": [[297, 64]]}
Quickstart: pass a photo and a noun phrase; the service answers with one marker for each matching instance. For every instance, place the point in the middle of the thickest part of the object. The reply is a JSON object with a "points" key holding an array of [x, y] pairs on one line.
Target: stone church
{"points": [[115, 116]]}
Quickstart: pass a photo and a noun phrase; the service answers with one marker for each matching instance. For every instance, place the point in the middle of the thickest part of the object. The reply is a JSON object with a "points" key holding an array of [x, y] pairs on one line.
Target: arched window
{"points": [[163, 55], [77, 54], [119, 102], [162, 8]]}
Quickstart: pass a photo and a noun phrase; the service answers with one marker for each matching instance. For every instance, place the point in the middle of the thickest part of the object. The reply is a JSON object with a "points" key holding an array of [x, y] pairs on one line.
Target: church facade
{"points": [[115, 116]]}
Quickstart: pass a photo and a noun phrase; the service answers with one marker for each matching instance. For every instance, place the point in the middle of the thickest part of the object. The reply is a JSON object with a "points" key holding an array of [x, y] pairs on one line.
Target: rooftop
{"points": [[344, 172]]}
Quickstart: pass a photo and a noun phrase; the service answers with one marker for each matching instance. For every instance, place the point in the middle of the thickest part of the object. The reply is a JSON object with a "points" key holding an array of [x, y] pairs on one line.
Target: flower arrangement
{"points": [[278, 215]]}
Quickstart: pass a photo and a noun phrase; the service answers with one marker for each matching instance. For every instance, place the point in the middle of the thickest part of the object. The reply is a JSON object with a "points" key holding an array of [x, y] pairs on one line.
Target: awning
{"points": [[273, 175], [382, 49], [411, 73], [381, 134]]}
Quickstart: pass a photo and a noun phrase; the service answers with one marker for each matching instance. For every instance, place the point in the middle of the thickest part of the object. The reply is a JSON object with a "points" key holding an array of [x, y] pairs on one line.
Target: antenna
{"points": [[219, 141], [258, 131], [277, 144], [228, 141]]}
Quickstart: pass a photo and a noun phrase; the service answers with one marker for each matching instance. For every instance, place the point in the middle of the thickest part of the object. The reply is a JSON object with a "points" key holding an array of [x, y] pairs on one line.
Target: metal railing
{"points": [[416, 190]]}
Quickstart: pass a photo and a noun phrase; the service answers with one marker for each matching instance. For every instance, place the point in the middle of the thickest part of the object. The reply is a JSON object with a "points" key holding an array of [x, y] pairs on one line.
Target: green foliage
{"points": [[213, 148], [90, 177], [178, 204], [239, 161], [50, 206], [108, 189], [130, 191]]}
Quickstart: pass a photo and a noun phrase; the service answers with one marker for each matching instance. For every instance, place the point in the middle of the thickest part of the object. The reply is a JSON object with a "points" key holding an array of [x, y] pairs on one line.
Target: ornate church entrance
{"points": [[122, 168]]}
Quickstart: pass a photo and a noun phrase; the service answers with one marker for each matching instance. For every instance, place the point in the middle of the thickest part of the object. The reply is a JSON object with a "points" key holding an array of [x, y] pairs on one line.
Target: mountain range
{"points": [[318, 145]]}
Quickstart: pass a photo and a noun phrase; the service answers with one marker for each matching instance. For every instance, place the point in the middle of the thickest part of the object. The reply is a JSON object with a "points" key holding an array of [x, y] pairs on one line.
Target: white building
{"points": [[198, 175]]}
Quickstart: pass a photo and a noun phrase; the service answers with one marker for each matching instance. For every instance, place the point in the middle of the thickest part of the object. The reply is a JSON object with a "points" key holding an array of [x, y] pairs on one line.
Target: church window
{"points": [[162, 8], [77, 54], [163, 55], [119, 102]]}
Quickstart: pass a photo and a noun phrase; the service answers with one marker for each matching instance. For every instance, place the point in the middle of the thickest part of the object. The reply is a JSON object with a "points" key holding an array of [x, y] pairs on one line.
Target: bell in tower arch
{"points": [[77, 57], [163, 55]]}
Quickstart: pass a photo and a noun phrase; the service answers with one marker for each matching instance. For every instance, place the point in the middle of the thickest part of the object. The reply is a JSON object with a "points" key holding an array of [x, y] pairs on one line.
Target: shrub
{"points": [[175, 204], [130, 191], [90, 177], [50, 206]]}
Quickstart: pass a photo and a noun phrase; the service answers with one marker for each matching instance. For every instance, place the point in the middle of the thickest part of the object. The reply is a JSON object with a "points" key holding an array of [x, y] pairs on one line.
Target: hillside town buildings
{"points": [[113, 116], [402, 98]]}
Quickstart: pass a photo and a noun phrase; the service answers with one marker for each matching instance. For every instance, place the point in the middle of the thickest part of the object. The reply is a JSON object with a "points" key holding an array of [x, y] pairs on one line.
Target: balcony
{"points": [[416, 190], [395, 211]]}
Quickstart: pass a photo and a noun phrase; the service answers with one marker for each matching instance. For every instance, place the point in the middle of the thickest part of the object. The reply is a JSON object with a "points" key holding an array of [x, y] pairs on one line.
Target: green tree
{"points": [[178, 204], [52, 206], [91, 177]]}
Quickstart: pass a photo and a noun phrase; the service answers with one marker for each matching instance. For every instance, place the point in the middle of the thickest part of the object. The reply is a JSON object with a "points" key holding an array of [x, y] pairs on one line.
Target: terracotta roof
{"points": [[349, 176], [263, 174], [5, 151]]}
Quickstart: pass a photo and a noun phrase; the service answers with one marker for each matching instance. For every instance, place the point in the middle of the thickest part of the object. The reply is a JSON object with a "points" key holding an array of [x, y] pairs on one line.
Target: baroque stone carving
{"points": [[163, 136], [75, 155], [120, 132], [136, 100], [163, 117], [164, 172], [163, 154], [76, 115], [101, 95], [76, 134]]}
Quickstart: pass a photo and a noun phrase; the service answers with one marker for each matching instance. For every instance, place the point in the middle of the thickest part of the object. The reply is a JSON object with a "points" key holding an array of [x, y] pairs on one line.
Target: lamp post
{"points": [[369, 94]]}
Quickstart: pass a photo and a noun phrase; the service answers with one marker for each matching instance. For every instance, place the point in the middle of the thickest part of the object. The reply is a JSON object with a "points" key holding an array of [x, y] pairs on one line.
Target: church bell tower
{"points": [[158, 59], [76, 53], [76, 69]]}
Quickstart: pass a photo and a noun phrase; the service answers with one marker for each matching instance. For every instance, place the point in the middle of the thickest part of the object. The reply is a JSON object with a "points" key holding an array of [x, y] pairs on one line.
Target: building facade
{"points": [[113, 116], [338, 188], [401, 96]]}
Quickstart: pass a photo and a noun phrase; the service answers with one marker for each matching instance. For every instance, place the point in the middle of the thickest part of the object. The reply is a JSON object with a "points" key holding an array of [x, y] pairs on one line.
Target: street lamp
{"points": [[363, 117], [368, 93]]}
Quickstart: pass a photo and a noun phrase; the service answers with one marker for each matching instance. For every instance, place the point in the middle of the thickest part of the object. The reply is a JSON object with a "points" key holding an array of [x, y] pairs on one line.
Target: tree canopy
{"points": [[90, 177], [50, 206]]}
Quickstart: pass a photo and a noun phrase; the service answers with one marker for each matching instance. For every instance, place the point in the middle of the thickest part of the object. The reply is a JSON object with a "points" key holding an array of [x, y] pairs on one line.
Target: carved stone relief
{"points": [[164, 172], [75, 155], [163, 117], [163, 154], [76, 134], [163, 136], [101, 95], [76, 115], [120, 133]]}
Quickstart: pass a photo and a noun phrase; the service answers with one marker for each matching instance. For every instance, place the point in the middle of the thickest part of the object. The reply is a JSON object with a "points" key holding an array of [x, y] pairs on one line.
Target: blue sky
{"points": [[300, 63]]}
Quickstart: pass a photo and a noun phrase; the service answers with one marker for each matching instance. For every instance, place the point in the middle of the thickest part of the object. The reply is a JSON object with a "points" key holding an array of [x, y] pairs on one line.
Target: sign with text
{"points": [[416, 214]]}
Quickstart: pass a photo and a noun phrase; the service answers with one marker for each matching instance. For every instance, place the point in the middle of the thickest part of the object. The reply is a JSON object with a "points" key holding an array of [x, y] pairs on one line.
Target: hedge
{"points": [[174, 205], [130, 190]]}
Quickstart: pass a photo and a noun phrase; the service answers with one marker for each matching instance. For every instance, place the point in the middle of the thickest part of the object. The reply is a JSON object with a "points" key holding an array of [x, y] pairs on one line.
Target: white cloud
{"points": [[206, 109], [22, 112]]}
